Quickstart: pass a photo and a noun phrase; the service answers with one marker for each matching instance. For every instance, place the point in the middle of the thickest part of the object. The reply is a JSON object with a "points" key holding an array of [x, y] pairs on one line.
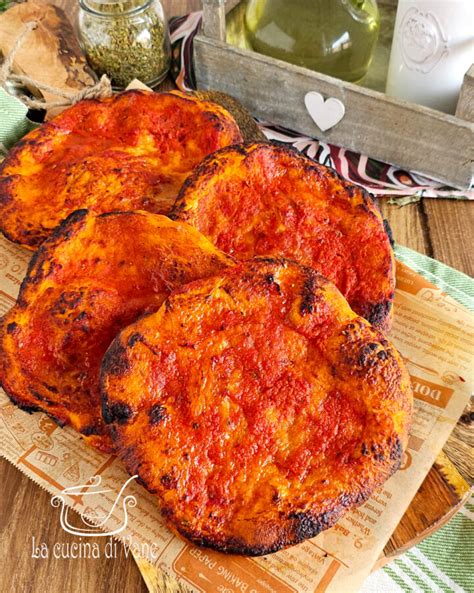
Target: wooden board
{"points": [[465, 107], [442, 494]]}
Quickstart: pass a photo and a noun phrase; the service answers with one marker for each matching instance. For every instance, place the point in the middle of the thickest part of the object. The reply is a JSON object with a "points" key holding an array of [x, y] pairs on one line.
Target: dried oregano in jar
{"points": [[125, 39]]}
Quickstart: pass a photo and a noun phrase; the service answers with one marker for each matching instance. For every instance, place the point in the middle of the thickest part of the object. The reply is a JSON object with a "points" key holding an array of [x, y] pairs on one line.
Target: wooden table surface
{"points": [[441, 229]]}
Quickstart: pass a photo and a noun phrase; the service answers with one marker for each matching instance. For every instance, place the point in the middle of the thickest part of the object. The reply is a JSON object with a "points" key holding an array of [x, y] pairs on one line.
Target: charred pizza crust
{"points": [[268, 199], [128, 152], [257, 406], [91, 278]]}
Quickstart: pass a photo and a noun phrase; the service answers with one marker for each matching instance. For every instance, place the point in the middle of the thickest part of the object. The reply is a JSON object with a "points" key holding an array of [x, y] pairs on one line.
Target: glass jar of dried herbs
{"points": [[125, 39]]}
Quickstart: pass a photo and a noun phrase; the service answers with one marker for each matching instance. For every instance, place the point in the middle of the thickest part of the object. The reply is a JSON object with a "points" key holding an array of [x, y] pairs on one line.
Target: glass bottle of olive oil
{"points": [[335, 37]]}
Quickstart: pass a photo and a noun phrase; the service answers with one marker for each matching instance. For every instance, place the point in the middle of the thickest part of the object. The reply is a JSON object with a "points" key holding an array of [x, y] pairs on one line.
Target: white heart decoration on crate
{"points": [[325, 113]]}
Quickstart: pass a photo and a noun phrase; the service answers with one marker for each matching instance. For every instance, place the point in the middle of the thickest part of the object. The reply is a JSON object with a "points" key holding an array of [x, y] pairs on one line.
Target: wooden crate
{"points": [[411, 136]]}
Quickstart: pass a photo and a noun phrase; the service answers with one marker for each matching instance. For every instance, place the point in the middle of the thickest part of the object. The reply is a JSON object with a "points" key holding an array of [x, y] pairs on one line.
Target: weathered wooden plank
{"points": [[408, 135], [465, 106], [451, 232], [442, 493], [213, 19], [408, 225]]}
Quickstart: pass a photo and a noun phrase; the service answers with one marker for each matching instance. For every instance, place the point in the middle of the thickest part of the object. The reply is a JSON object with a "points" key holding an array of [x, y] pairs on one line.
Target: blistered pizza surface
{"points": [[129, 152], [257, 406], [266, 199], [93, 277]]}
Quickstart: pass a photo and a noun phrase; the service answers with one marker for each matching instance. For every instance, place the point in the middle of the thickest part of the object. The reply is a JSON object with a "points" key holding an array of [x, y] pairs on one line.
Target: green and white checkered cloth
{"points": [[443, 562]]}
